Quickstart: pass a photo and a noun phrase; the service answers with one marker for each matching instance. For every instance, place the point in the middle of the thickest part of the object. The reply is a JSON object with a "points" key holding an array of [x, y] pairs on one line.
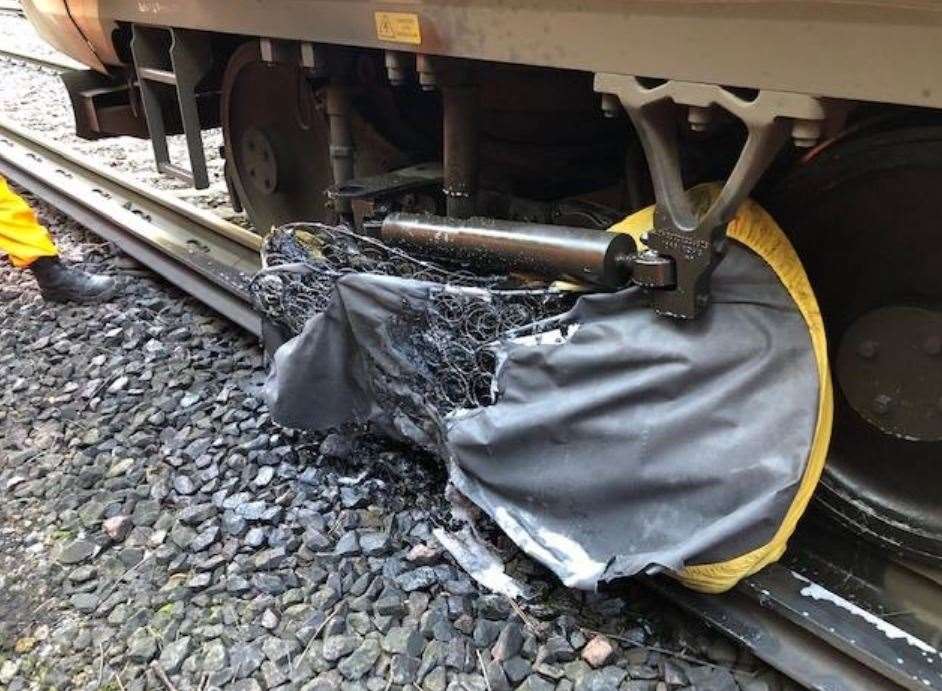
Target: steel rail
{"points": [[11, 7], [834, 614], [60, 64], [209, 258], [782, 644]]}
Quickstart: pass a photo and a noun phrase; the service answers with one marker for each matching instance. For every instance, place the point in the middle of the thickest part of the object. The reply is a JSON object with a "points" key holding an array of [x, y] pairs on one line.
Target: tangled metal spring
{"points": [[450, 337]]}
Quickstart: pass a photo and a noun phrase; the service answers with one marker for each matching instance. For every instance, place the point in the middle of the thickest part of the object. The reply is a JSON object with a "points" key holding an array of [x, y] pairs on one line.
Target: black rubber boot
{"points": [[61, 283]]}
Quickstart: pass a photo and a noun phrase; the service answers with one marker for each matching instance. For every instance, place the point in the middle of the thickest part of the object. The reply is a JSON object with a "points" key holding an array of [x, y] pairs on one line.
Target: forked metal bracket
{"points": [[694, 242]]}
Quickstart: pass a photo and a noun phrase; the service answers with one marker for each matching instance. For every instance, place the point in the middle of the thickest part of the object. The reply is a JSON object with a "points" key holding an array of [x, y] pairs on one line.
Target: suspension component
{"points": [[695, 242], [460, 137], [339, 113]]}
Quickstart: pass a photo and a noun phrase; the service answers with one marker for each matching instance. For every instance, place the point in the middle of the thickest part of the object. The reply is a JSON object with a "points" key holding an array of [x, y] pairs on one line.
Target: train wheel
{"points": [[276, 140], [865, 219]]}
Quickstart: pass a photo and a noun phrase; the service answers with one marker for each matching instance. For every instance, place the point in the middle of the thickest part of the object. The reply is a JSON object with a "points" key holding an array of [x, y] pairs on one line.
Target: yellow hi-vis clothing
{"points": [[21, 235]]}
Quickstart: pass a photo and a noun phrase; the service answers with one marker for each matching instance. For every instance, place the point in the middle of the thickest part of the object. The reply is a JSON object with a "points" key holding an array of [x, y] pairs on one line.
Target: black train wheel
{"points": [[866, 218], [276, 141]]}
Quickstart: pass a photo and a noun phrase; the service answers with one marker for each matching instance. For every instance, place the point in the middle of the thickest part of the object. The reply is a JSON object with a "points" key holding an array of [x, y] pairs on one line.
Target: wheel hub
{"points": [[863, 216], [260, 161], [889, 367]]}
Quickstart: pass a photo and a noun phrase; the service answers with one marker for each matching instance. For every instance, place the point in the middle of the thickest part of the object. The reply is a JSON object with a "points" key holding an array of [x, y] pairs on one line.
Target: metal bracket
{"points": [[696, 242], [389, 184], [179, 58], [309, 56]]}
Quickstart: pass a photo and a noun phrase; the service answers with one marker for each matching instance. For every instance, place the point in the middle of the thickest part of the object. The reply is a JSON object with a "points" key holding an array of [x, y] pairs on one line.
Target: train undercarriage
{"points": [[484, 118]]}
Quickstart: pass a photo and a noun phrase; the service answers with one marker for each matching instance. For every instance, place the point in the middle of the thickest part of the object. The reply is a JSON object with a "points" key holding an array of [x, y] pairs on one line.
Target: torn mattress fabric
{"points": [[602, 438]]}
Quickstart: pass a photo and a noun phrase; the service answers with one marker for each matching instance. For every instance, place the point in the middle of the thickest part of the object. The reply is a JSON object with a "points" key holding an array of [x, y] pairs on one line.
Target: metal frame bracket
{"points": [[179, 58], [696, 242]]}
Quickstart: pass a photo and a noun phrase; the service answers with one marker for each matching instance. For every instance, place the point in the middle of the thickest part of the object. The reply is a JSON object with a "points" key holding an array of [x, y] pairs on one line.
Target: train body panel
{"points": [[885, 51], [54, 21]]}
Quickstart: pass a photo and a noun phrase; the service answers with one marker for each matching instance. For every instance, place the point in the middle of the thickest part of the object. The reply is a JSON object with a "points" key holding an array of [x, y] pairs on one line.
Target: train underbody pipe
{"points": [[581, 254]]}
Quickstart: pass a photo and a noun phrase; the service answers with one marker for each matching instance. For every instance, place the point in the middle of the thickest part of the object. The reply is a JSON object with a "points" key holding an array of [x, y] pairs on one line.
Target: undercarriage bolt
{"points": [[881, 404], [868, 349], [395, 67], [699, 118], [806, 133], [426, 70], [933, 345], [266, 50], [611, 106], [313, 60]]}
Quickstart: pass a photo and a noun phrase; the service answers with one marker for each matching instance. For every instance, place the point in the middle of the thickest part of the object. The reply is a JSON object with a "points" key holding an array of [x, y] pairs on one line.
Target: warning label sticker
{"points": [[399, 27]]}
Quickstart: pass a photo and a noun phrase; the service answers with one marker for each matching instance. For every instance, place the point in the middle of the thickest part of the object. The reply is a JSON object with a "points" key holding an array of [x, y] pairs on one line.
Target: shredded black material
{"points": [[451, 337]]}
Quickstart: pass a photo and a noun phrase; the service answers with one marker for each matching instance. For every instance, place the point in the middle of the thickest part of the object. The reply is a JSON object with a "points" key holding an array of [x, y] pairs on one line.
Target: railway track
{"points": [[832, 615], [208, 257], [61, 64], [11, 7]]}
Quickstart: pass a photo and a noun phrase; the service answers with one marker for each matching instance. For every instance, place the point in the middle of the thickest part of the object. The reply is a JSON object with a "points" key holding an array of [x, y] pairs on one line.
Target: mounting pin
{"points": [[699, 118], [868, 349], [611, 106], [428, 80], [396, 67], [881, 404], [806, 133]]}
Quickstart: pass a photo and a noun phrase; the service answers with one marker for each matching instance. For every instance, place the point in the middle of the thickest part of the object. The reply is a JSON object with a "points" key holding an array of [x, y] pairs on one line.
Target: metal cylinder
{"points": [[396, 67], [581, 254], [460, 148], [341, 138], [424, 66]]}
